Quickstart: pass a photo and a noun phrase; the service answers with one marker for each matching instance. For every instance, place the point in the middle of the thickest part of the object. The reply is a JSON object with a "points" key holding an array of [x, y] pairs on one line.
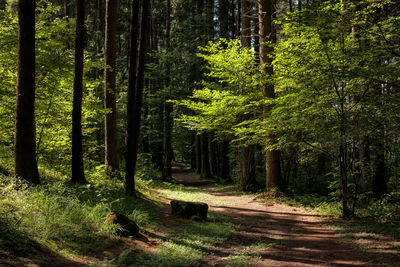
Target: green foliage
{"points": [[231, 97], [54, 85]]}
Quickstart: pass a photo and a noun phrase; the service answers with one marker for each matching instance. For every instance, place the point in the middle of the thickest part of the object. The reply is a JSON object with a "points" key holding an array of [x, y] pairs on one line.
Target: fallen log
{"points": [[127, 227], [189, 210]]}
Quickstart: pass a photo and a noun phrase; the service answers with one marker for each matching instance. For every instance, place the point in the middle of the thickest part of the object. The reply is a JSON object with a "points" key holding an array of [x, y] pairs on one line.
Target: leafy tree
{"points": [[327, 80], [230, 100]]}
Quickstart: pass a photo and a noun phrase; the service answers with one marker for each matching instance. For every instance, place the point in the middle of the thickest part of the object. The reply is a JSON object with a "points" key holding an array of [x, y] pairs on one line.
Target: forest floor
{"points": [[279, 235], [242, 230]]}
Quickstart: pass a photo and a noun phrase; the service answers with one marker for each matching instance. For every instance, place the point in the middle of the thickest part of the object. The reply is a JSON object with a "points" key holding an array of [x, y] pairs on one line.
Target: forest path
{"points": [[278, 235]]}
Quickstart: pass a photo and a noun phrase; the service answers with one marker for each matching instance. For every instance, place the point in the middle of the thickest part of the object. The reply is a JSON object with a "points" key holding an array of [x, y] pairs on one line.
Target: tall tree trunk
{"points": [[78, 175], [132, 78], [246, 154], [379, 186], [225, 168], [66, 13], [247, 168], [198, 153], [223, 18], [134, 128], [157, 137], [210, 20], [266, 11], [256, 31], [110, 90], [239, 18], [168, 107], [214, 164], [25, 164], [245, 22], [193, 152], [232, 24], [205, 157]]}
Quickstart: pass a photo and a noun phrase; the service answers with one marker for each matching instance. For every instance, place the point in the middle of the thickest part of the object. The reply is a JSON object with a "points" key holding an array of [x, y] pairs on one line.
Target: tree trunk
{"points": [[138, 101], [168, 107], [205, 156], [239, 18], [193, 152], [225, 168], [379, 186], [214, 164], [223, 18], [25, 163], [198, 153], [66, 13], [232, 23], [266, 11], [256, 32], [247, 168], [78, 175], [110, 90], [245, 22], [132, 78]]}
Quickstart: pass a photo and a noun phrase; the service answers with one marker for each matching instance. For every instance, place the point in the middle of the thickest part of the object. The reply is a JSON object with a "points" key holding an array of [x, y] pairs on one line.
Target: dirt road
{"points": [[296, 237]]}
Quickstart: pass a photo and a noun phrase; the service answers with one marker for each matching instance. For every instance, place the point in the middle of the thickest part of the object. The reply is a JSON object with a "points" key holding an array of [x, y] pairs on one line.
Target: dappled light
{"points": [[199, 133]]}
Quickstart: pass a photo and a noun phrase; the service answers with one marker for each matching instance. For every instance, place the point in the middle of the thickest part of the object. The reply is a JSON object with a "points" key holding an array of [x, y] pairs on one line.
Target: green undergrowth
{"points": [[187, 248], [68, 219]]}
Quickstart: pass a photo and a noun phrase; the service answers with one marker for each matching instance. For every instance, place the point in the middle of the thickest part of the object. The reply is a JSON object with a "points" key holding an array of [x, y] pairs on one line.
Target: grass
{"points": [[185, 193], [69, 220], [240, 260]]}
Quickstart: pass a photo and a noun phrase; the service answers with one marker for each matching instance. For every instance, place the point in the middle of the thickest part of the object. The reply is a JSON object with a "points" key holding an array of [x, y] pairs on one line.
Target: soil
{"points": [[298, 237]]}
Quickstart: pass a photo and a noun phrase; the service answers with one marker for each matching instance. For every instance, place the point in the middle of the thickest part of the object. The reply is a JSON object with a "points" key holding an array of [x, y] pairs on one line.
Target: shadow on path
{"points": [[294, 237]]}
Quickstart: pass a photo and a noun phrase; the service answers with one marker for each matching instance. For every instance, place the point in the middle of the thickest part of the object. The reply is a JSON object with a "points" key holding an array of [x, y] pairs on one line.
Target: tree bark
{"points": [[198, 153], [245, 22], [205, 156], [225, 168], [266, 11], [134, 127], [247, 168], [25, 164], [379, 187], [223, 18], [110, 90], [78, 175], [132, 78], [168, 107]]}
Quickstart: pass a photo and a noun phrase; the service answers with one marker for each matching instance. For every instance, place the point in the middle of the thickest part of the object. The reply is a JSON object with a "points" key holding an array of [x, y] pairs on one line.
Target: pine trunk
{"points": [[25, 163], [168, 107], [137, 108], [110, 90], [132, 78], [78, 175], [205, 162]]}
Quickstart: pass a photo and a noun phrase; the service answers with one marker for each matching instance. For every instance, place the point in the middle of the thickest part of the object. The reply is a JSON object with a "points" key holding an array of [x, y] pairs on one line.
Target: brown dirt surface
{"points": [[290, 236]]}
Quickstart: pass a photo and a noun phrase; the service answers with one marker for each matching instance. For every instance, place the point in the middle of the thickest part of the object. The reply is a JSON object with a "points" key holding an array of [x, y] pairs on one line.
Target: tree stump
{"points": [[189, 210], [127, 226]]}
